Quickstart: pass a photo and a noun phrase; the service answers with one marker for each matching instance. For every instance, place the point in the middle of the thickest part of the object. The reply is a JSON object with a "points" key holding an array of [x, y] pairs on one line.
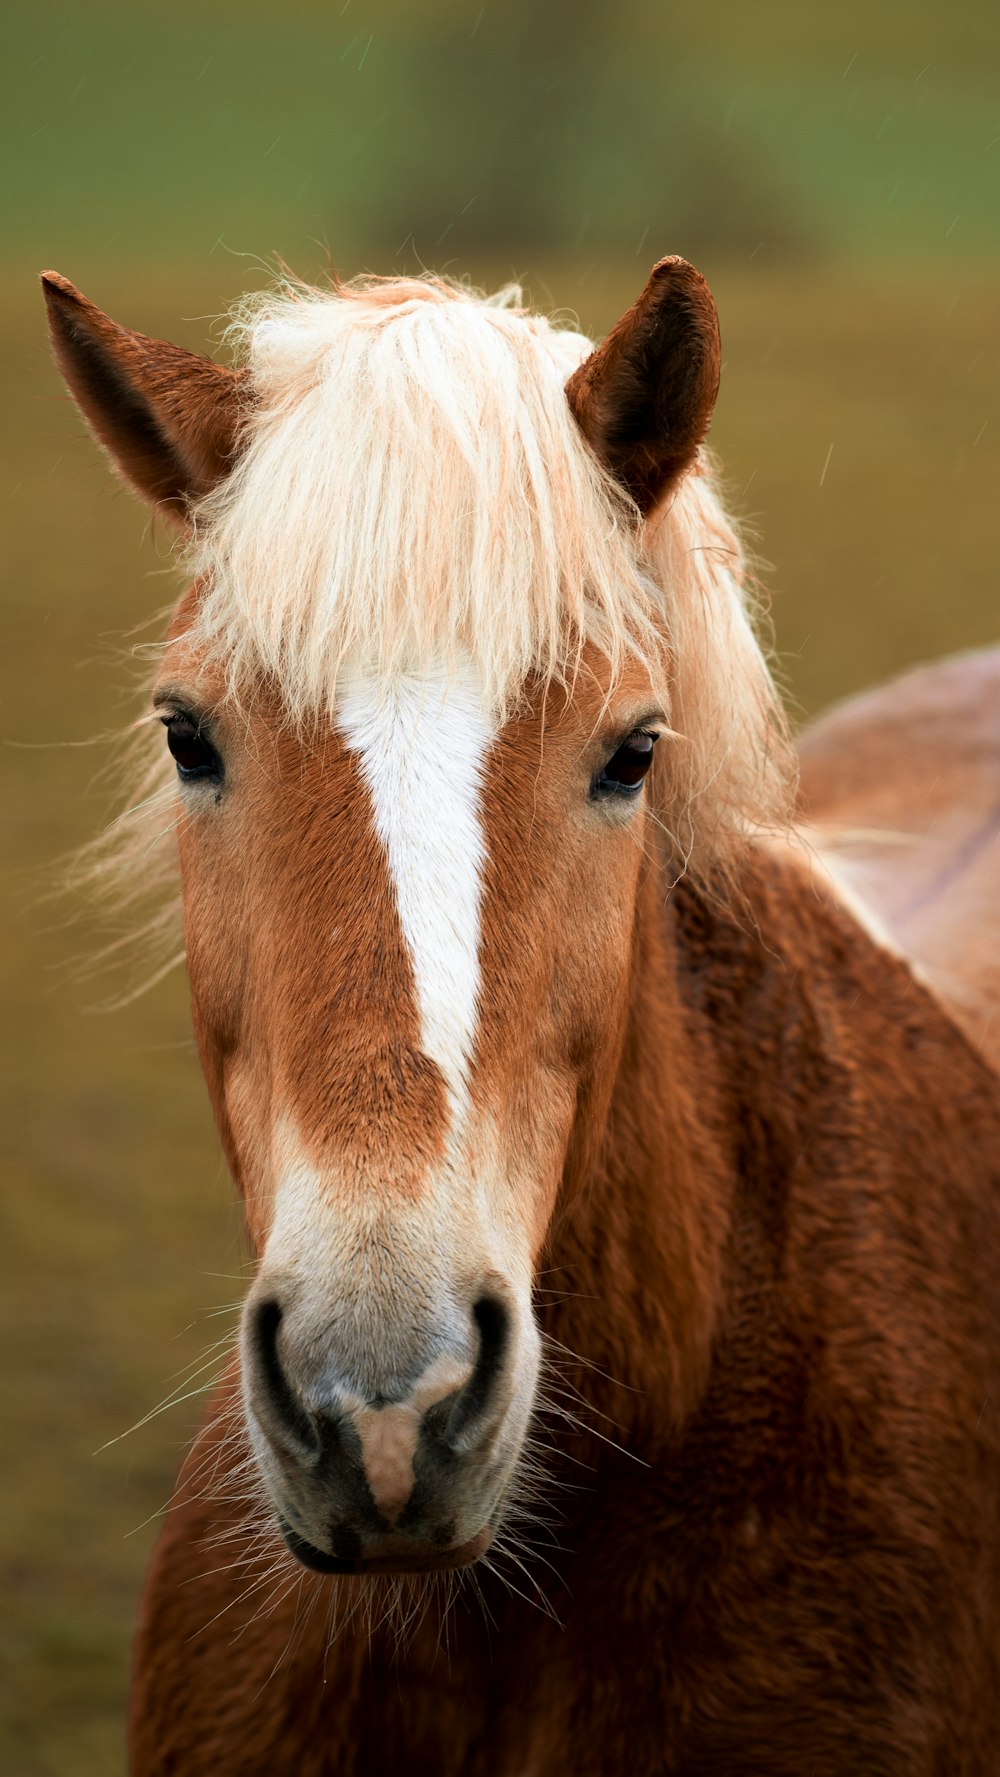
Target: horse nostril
{"points": [[493, 1323], [283, 1410]]}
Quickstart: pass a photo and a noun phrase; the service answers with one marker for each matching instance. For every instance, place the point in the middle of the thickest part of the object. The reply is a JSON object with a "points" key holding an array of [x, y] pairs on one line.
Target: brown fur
{"points": [[903, 788], [168, 419], [792, 1250], [644, 399], [755, 1163], [248, 964]]}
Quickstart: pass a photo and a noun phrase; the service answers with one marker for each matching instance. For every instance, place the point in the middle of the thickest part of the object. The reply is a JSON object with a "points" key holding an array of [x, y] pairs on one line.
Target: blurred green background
{"points": [[834, 171]]}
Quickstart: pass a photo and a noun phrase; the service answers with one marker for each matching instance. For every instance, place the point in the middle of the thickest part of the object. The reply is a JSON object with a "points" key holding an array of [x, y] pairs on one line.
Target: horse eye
{"points": [[194, 755], [624, 772]]}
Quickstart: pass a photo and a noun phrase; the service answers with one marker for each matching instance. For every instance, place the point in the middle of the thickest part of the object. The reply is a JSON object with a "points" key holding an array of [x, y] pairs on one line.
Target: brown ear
{"points": [[644, 399], [169, 420]]}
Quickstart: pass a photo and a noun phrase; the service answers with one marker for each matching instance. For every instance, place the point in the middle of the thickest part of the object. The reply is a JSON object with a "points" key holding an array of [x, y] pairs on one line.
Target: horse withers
{"points": [[615, 1389]]}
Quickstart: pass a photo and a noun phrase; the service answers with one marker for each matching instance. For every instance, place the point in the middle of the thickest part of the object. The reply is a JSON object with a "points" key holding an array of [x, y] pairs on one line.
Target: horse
{"points": [[615, 1390]]}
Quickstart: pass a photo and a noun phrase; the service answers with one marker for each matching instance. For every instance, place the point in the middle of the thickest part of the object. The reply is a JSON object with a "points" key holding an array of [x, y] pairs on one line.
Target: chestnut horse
{"points": [[616, 1388]]}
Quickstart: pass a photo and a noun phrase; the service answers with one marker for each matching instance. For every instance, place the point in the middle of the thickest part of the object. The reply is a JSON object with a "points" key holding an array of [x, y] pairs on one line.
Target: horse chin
{"points": [[390, 1555]]}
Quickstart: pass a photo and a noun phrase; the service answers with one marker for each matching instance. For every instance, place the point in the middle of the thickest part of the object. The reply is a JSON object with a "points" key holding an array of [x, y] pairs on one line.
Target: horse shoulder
{"points": [[842, 1472]]}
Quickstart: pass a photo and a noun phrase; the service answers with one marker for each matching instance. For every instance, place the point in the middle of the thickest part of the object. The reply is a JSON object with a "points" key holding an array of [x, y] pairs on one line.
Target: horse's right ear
{"points": [[168, 419]]}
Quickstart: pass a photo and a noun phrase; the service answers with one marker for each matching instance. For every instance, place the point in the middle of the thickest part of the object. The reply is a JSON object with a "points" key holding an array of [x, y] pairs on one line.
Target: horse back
{"points": [[902, 790]]}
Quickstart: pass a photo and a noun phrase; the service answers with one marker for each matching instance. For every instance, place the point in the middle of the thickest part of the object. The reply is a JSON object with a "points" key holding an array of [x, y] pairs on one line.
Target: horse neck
{"points": [[638, 1261]]}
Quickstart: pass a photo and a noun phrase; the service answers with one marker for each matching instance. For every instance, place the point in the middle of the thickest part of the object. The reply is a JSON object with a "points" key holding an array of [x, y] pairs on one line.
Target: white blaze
{"points": [[421, 742]]}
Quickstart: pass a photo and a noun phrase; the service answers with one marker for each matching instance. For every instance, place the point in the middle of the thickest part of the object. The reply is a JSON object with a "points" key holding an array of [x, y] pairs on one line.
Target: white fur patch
{"points": [[421, 742]]}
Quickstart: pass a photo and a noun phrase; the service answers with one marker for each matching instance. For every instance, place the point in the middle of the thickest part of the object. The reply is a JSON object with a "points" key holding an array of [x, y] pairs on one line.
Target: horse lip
{"points": [[311, 1557], [396, 1555]]}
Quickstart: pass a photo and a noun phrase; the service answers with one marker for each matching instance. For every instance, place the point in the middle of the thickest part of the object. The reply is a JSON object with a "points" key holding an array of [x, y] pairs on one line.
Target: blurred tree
{"points": [[562, 127]]}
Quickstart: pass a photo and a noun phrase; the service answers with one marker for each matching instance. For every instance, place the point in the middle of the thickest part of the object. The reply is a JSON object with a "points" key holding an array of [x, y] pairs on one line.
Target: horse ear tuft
{"points": [[169, 419], [644, 398]]}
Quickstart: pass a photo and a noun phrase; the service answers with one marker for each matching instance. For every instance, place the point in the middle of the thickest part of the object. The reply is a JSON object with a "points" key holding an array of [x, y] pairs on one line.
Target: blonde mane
{"points": [[412, 486]]}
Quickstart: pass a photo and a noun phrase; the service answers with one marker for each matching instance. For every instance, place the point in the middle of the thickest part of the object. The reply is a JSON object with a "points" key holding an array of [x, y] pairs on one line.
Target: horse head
{"points": [[454, 663]]}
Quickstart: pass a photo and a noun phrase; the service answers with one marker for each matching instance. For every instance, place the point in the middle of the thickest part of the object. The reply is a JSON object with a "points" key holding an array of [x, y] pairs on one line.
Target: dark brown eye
{"points": [[624, 772], [194, 755]]}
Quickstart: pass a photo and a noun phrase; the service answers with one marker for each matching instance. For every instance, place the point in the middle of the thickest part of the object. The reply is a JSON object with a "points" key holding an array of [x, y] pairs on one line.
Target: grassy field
{"points": [[860, 434]]}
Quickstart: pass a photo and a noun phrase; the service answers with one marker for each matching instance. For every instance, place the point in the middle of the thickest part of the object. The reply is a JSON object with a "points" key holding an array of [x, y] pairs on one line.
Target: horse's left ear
{"points": [[644, 399], [168, 419]]}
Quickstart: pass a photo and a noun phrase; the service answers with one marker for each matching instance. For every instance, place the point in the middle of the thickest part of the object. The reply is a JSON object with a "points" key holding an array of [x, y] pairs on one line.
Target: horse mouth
{"points": [[392, 1555]]}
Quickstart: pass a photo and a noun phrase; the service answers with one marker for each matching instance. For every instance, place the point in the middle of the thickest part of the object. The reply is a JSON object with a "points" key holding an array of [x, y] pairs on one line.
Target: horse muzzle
{"points": [[397, 1460]]}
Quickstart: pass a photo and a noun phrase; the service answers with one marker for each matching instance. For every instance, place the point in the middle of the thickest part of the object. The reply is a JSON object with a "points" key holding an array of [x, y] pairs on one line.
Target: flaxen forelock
{"points": [[413, 488]]}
